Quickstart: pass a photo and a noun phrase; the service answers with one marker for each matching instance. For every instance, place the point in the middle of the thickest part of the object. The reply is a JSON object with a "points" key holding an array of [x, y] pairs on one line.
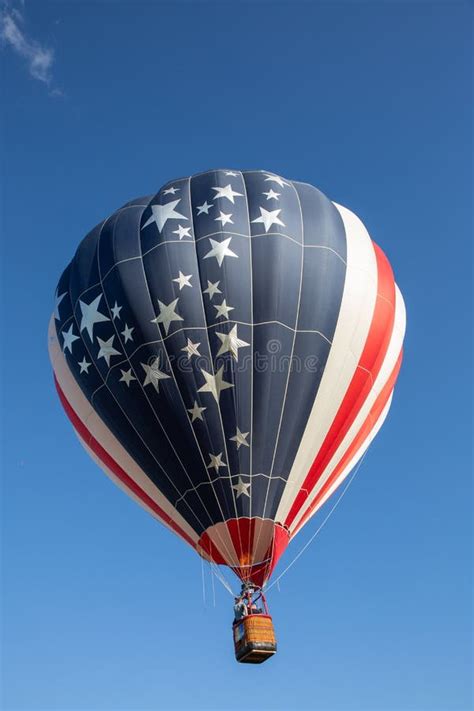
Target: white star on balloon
{"points": [[183, 280], [57, 301], [127, 377], [170, 191], [204, 208], [214, 383], [216, 461], [153, 374], [182, 232], [196, 412], [223, 310], [212, 289], [107, 349], [272, 195], [240, 438], [226, 192], [191, 348], [230, 342], [269, 218], [116, 311], [220, 250], [162, 213], [231, 172], [85, 365], [275, 179], [91, 316], [167, 314], [127, 332], [69, 339], [224, 219], [241, 488]]}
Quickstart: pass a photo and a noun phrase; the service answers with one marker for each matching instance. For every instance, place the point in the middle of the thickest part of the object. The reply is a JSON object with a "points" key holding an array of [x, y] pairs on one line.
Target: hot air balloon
{"points": [[226, 350]]}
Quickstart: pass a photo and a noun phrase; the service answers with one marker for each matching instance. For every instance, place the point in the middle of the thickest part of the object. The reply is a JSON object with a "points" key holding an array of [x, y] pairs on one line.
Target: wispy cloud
{"points": [[39, 58]]}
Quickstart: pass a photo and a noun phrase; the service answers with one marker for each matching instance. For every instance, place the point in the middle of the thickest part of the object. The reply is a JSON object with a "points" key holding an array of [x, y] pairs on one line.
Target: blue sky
{"points": [[105, 101]]}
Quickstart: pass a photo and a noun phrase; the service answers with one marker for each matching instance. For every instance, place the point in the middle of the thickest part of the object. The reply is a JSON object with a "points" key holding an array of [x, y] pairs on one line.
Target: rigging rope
{"points": [[213, 586], [215, 571], [325, 520], [203, 583], [221, 578]]}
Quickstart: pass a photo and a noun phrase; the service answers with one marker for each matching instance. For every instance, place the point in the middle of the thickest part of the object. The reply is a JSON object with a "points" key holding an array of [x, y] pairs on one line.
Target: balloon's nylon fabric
{"points": [[226, 350]]}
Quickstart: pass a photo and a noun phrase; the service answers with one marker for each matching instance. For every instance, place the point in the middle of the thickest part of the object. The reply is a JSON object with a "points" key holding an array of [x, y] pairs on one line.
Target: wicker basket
{"points": [[254, 639]]}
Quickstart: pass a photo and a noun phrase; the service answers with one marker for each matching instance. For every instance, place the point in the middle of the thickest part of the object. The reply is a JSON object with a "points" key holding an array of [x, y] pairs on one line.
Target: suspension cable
{"points": [[319, 529], [221, 578], [203, 583], [212, 585], [215, 571]]}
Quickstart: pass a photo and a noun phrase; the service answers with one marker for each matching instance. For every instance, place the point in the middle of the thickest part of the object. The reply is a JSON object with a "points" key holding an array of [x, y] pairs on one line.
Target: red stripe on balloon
{"points": [[114, 467], [358, 441], [368, 368], [257, 572], [248, 570]]}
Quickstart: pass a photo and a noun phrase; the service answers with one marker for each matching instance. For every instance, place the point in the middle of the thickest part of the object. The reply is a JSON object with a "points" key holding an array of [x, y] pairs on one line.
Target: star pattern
{"points": [[215, 383], [127, 333], [224, 219], [167, 314], [196, 412], [275, 179], [106, 350], [223, 310], [182, 232], [220, 250], [68, 339], [241, 488], [91, 315], [272, 195], [269, 218], [212, 289], [162, 213], [240, 438], [84, 366], [127, 377], [230, 342], [183, 280], [153, 374], [227, 192], [57, 301], [191, 348], [204, 208], [116, 309], [180, 259], [216, 461]]}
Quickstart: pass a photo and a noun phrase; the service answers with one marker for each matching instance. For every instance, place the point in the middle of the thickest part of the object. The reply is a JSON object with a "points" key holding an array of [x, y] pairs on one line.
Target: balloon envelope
{"points": [[226, 351]]}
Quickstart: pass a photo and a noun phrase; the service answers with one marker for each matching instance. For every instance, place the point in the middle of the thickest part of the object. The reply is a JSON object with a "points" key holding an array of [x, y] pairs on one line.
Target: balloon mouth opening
{"points": [[250, 547]]}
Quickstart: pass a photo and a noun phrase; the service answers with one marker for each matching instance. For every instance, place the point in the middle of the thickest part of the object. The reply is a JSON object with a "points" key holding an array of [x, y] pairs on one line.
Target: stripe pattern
{"points": [[226, 350]]}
